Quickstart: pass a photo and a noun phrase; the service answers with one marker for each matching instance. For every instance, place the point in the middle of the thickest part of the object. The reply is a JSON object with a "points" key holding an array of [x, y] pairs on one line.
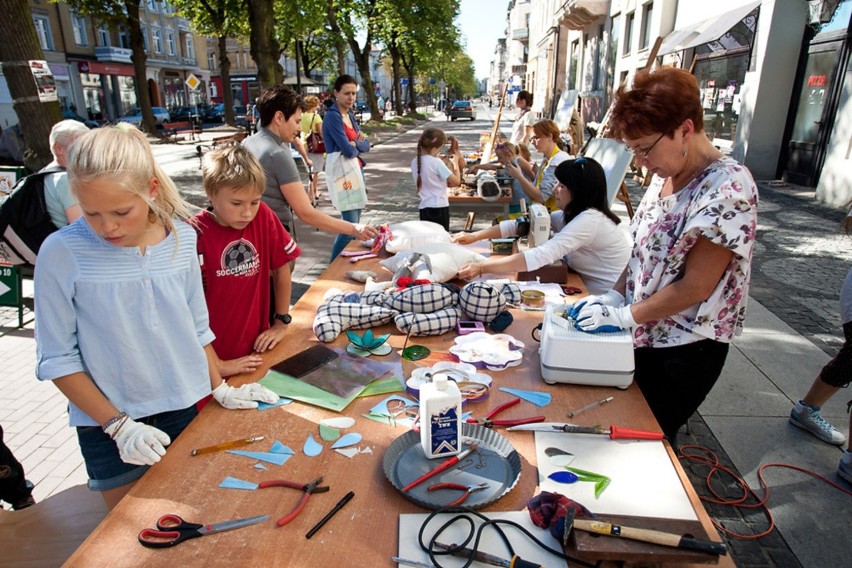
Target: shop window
{"points": [[720, 80], [211, 60], [645, 35], [42, 28], [628, 31], [103, 36], [78, 23]]}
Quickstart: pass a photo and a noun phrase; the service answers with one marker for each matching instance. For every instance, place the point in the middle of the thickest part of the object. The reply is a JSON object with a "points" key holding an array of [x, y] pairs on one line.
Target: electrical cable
{"points": [[475, 534], [704, 456]]}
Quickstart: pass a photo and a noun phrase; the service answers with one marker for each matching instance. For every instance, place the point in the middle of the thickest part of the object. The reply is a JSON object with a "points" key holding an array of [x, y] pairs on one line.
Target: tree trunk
{"points": [[340, 48], [264, 47], [137, 46], [397, 92], [412, 100], [225, 66], [19, 46]]}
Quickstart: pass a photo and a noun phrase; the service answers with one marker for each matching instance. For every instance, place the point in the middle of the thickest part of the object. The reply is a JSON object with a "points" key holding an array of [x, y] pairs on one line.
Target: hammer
{"points": [[578, 518]]}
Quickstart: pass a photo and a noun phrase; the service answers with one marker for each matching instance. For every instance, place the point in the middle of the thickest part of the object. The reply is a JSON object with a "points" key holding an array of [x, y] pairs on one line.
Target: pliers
{"points": [[308, 488], [488, 421], [468, 489]]}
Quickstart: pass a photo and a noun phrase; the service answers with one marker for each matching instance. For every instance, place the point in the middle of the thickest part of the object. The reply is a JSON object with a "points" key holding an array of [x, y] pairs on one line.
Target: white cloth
{"points": [[519, 127], [433, 181], [591, 244], [720, 204]]}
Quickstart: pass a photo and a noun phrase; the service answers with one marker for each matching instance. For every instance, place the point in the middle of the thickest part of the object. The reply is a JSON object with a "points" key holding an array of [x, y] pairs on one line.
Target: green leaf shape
{"points": [[328, 433]]}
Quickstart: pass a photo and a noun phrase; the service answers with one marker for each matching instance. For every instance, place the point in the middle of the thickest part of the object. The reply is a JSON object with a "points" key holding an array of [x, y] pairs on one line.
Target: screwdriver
{"points": [[515, 562]]}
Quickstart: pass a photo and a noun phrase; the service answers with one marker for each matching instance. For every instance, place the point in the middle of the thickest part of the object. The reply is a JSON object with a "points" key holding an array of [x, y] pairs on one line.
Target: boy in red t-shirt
{"points": [[240, 244]]}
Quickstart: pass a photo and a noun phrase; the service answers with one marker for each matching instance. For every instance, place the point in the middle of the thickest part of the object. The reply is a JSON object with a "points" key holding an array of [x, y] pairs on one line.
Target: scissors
{"points": [[172, 530]]}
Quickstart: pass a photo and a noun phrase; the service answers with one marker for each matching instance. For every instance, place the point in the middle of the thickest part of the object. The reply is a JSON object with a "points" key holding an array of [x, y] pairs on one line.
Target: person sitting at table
{"points": [[684, 291], [586, 232], [121, 325], [547, 140], [517, 155], [432, 175], [241, 244]]}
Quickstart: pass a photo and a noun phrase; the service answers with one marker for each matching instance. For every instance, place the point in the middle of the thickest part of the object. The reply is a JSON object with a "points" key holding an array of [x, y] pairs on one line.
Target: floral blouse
{"points": [[720, 204]]}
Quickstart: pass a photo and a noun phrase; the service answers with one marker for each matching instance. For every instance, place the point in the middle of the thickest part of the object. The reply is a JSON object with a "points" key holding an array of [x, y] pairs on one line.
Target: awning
{"points": [[706, 31], [291, 80]]}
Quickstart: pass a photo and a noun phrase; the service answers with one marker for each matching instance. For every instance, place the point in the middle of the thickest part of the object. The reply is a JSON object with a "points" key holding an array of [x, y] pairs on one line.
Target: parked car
{"points": [[462, 109], [181, 114], [217, 113], [68, 113], [134, 117]]}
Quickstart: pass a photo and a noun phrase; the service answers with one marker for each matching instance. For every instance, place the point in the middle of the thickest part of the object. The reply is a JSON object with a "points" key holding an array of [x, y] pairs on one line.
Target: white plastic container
{"points": [[440, 418]]}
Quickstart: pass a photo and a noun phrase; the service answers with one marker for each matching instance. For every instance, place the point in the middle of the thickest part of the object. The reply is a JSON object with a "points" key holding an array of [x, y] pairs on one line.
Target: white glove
{"points": [[138, 443], [611, 298], [601, 319], [245, 396]]}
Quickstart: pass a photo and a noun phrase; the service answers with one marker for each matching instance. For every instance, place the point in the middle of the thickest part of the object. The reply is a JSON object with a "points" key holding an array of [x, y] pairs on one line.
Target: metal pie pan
{"points": [[495, 462]]}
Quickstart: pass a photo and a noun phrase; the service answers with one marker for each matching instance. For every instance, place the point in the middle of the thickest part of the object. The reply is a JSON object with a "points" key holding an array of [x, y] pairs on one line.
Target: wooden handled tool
{"points": [[648, 535]]}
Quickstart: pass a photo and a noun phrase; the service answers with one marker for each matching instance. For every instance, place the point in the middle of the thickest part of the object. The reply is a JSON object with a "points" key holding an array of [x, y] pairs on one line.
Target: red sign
{"points": [[98, 68], [816, 81]]}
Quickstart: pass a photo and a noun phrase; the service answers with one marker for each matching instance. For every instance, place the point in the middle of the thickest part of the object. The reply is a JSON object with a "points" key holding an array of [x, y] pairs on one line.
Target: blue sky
{"points": [[481, 23]]}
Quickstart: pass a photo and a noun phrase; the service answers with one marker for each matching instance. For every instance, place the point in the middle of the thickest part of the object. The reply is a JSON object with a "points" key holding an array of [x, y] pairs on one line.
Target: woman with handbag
{"points": [[344, 144], [312, 134]]}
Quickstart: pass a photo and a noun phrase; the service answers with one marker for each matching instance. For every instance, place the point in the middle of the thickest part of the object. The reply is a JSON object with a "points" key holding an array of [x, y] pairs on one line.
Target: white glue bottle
{"points": [[440, 418]]}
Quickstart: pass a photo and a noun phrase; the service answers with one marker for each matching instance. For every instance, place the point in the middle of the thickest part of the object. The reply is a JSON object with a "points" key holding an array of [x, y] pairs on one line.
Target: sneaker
{"points": [[808, 418], [844, 469]]}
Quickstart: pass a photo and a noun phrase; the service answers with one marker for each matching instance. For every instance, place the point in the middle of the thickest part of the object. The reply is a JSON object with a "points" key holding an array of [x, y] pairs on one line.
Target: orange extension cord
{"points": [[703, 456]]}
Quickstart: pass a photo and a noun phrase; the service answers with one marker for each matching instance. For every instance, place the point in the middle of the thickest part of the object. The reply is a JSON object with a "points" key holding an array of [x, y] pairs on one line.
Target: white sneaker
{"points": [[808, 418], [844, 468]]}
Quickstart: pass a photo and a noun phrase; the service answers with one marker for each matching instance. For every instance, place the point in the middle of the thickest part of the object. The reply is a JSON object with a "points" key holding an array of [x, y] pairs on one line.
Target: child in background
{"points": [[519, 156], [240, 244], [121, 325], [432, 176]]}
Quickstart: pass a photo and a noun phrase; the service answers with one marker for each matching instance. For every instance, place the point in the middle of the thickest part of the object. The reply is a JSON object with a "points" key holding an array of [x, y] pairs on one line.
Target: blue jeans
{"points": [[103, 463], [353, 216]]}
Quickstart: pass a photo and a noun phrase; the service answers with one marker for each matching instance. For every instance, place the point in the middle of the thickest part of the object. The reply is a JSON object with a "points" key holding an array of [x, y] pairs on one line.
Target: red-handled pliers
{"points": [[468, 489], [308, 488], [488, 421]]}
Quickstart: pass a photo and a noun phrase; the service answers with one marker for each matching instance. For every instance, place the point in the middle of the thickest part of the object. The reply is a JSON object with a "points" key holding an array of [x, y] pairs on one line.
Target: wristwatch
{"points": [[285, 318]]}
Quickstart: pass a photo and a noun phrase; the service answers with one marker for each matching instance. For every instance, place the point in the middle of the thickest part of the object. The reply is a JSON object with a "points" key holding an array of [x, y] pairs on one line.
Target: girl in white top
{"points": [[522, 127], [433, 175], [586, 232]]}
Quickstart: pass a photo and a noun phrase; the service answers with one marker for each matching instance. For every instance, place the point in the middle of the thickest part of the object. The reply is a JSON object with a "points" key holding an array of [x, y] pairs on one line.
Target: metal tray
{"points": [[494, 462]]}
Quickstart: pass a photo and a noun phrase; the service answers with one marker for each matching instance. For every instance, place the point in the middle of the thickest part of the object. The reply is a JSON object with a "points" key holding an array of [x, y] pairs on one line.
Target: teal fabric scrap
{"points": [[234, 483]]}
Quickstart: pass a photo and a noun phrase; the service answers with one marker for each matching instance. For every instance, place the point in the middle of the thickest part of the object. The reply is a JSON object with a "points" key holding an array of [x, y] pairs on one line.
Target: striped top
{"points": [[135, 323]]}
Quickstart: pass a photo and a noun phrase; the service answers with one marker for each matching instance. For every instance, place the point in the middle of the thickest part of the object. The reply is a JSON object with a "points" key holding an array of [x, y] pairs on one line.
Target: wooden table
{"points": [[468, 202], [365, 532]]}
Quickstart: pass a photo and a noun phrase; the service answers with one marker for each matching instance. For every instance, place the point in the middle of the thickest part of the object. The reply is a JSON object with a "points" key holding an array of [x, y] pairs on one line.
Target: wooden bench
{"points": [[235, 137], [172, 129]]}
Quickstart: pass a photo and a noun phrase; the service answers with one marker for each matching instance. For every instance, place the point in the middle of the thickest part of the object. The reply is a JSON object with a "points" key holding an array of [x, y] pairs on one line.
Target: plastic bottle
{"points": [[440, 418]]}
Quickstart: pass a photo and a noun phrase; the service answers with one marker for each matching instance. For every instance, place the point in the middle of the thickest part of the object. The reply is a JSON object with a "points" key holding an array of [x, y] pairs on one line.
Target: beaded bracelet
{"points": [[113, 420]]}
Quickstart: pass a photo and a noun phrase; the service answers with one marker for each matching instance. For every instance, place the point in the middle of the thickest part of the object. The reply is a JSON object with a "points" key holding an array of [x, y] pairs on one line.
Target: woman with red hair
{"points": [[683, 292]]}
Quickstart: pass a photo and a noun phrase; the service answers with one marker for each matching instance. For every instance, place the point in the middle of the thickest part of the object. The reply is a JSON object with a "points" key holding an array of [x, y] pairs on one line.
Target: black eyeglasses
{"points": [[645, 153]]}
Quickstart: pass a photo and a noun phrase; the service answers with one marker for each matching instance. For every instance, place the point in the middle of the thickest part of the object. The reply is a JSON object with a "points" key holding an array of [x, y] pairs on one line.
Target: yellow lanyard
{"points": [[540, 175]]}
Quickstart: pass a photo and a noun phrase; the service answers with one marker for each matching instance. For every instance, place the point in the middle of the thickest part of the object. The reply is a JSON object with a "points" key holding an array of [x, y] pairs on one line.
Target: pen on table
{"points": [[226, 445], [590, 406], [335, 509], [409, 562]]}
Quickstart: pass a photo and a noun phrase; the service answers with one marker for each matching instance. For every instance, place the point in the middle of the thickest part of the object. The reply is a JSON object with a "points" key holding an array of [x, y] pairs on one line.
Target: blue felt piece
{"points": [[281, 402], [348, 440], [269, 457], [537, 398], [279, 448], [234, 483], [259, 466]]}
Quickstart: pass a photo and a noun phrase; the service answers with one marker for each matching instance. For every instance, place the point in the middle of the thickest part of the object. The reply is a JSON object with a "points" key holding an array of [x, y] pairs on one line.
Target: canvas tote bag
{"points": [[345, 181]]}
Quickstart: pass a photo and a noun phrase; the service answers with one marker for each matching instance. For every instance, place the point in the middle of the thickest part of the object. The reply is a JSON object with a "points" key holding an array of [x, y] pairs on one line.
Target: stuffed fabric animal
{"points": [[426, 309]]}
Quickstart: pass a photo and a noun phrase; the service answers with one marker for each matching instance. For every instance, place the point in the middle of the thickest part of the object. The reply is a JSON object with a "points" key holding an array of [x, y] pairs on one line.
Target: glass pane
{"points": [[720, 80], [812, 96]]}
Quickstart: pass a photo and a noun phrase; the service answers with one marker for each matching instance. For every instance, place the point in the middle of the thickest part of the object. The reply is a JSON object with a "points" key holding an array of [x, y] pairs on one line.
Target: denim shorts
{"points": [[103, 463]]}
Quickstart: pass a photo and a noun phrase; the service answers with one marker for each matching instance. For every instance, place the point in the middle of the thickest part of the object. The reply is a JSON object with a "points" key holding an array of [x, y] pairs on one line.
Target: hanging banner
{"points": [[44, 81]]}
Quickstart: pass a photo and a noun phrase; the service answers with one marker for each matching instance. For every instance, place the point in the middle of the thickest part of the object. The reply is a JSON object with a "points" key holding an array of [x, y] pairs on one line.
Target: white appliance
{"points": [[539, 225], [569, 355]]}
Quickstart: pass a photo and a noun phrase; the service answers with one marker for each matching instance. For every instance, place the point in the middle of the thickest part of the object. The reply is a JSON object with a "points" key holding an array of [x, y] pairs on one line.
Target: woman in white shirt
{"points": [[522, 127], [586, 232]]}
